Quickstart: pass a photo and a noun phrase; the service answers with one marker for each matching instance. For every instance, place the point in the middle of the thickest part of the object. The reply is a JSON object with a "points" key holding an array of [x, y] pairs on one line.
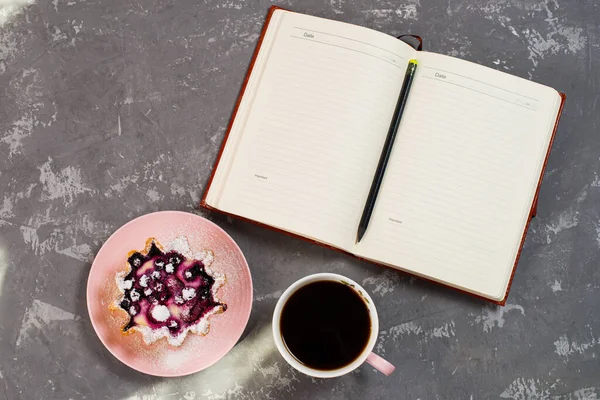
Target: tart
{"points": [[169, 292]]}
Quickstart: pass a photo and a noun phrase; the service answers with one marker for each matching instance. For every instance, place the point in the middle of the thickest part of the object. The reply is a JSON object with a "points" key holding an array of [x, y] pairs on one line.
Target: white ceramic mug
{"points": [[366, 355]]}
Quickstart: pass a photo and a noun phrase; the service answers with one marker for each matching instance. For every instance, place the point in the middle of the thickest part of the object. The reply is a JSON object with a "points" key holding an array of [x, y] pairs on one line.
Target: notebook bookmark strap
{"points": [[419, 47]]}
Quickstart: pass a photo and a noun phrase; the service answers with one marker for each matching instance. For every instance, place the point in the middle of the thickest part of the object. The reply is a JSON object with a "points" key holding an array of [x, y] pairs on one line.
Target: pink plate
{"points": [[197, 352]]}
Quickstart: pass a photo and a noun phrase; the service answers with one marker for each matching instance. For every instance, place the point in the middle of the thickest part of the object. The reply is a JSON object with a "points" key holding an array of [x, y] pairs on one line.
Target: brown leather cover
{"points": [[235, 110]]}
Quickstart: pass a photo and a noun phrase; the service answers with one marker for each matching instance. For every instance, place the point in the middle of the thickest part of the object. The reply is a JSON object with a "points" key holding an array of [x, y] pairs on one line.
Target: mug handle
{"points": [[380, 364]]}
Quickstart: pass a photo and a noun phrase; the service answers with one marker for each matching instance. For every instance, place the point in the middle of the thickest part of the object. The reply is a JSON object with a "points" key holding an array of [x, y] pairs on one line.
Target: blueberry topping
{"points": [[170, 282], [205, 292], [154, 251], [193, 272], [162, 297], [172, 324], [136, 260]]}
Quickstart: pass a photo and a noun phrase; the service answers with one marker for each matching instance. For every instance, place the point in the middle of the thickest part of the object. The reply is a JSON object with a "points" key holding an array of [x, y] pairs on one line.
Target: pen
{"points": [[387, 150]]}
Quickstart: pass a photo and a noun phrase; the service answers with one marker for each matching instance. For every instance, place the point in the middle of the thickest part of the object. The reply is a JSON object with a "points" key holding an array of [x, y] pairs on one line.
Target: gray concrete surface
{"points": [[110, 109]]}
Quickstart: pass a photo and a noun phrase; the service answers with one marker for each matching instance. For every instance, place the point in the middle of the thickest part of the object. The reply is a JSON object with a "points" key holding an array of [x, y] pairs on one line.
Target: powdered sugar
{"points": [[122, 283], [181, 245], [144, 280], [160, 313], [152, 335], [188, 293], [135, 295], [174, 359], [208, 258]]}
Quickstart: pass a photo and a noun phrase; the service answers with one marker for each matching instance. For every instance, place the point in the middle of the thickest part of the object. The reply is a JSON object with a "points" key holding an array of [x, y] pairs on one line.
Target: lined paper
{"points": [[462, 175], [243, 111], [316, 128]]}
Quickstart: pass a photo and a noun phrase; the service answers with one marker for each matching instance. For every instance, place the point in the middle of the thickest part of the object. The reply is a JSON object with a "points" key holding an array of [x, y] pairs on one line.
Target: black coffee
{"points": [[325, 325]]}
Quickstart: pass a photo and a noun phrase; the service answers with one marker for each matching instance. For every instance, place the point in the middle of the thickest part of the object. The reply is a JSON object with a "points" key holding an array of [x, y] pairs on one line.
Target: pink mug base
{"points": [[380, 364]]}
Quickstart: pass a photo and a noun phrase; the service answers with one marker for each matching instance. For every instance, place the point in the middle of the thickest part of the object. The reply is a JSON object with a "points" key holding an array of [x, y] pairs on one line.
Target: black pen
{"points": [[387, 150]]}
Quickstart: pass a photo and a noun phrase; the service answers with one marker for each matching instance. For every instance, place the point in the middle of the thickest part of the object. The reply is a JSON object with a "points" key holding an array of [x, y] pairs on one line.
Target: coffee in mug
{"points": [[326, 325]]}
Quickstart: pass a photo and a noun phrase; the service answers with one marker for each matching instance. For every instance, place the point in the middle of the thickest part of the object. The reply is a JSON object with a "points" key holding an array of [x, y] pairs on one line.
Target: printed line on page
{"points": [[354, 40], [347, 48], [485, 83], [479, 91]]}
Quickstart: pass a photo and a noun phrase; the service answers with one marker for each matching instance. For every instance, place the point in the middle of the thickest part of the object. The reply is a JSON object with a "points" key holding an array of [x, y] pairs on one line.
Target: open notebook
{"points": [[303, 145]]}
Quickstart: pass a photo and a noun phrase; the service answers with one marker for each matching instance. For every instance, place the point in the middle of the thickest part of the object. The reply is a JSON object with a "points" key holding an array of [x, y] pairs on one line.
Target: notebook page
{"points": [[227, 155], [316, 127], [465, 165]]}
